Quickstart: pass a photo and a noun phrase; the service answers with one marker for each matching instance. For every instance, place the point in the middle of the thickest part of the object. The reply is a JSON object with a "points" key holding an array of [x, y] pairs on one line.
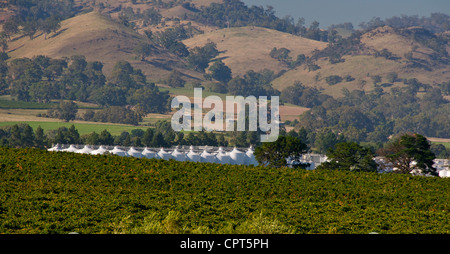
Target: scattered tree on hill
{"points": [[253, 83], [437, 22], [314, 32], [445, 88], [34, 15], [312, 66], [300, 95], [151, 17], [220, 72], [3, 42], [376, 79], [333, 80], [392, 77], [49, 25], [200, 57], [234, 13], [10, 27], [384, 53], [142, 50], [281, 54], [171, 40], [175, 79]]}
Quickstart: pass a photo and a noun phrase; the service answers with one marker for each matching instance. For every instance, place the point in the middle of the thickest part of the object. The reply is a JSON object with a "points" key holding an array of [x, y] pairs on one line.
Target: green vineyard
{"points": [[47, 192]]}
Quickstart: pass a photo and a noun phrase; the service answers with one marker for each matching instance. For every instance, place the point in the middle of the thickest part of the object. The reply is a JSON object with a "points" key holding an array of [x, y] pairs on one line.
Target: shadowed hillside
{"points": [[248, 48]]}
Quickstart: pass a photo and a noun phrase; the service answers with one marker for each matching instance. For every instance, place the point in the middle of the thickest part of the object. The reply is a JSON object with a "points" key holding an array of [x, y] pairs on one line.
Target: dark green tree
{"points": [[92, 139], [142, 50], [199, 57], [21, 135], [125, 76], [40, 140], [66, 111], [150, 99], [15, 138], [158, 140], [440, 151], [220, 72], [10, 27], [151, 17], [105, 138], [72, 136], [408, 152], [275, 154], [49, 25], [175, 79], [148, 137], [350, 156], [110, 95], [326, 139]]}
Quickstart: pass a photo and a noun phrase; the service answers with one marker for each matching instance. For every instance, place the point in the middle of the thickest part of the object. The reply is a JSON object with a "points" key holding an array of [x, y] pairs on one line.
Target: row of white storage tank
{"points": [[234, 156]]}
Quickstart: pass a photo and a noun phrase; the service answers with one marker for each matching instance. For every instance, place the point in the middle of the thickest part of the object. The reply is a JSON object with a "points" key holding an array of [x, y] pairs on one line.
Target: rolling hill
{"points": [[248, 48], [99, 31], [364, 65], [99, 39], [99, 36]]}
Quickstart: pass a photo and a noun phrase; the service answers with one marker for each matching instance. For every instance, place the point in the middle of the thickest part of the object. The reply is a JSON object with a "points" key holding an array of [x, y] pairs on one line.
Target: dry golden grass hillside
{"points": [[359, 67], [99, 39], [362, 67], [248, 48], [386, 38]]}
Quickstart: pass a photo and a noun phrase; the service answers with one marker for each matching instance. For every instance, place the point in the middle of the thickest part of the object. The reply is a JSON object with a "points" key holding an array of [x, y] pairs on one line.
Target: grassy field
{"points": [[443, 141], [83, 128], [9, 104]]}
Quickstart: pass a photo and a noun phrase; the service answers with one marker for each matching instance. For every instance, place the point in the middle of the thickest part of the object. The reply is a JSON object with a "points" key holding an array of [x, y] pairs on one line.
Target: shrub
{"points": [[333, 80]]}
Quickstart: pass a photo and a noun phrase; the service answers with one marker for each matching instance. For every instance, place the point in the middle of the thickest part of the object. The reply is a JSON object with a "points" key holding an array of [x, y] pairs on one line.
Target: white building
{"points": [[134, 153], [101, 150]]}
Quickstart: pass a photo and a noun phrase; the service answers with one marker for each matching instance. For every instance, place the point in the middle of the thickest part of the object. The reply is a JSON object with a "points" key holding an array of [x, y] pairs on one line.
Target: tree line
{"points": [[374, 116], [22, 135], [43, 79], [437, 22], [406, 153], [399, 152], [234, 13]]}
